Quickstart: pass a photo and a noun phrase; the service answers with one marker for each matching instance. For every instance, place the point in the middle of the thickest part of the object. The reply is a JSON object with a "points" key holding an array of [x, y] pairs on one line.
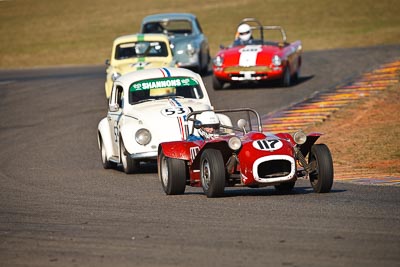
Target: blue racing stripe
{"points": [[167, 71]]}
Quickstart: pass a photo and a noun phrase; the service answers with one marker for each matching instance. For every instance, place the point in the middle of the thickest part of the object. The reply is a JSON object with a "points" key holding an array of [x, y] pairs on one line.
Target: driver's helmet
{"points": [[244, 32], [209, 124]]}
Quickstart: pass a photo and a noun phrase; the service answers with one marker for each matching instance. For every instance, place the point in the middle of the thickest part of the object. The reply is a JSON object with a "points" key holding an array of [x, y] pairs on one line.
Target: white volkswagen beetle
{"points": [[148, 107]]}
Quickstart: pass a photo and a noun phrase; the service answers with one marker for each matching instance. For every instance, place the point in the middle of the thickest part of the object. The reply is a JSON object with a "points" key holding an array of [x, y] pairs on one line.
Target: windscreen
{"points": [[170, 27], [167, 87], [141, 49]]}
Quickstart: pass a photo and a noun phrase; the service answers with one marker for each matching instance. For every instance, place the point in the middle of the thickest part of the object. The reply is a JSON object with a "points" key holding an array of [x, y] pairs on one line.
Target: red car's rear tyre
{"points": [[172, 174], [322, 178], [212, 173]]}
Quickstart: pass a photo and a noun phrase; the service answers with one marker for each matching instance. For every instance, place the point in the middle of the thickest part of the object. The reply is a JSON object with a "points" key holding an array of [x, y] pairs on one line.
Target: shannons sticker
{"points": [[265, 144], [166, 82]]}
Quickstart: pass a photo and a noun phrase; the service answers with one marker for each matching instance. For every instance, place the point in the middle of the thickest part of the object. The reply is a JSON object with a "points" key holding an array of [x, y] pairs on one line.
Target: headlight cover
{"points": [[190, 49], [115, 76], [276, 60], [234, 143], [300, 137], [143, 136], [218, 61]]}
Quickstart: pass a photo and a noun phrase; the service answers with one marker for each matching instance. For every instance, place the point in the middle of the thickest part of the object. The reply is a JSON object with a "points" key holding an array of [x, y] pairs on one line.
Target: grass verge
{"points": [[364, 137], [63, 32]]}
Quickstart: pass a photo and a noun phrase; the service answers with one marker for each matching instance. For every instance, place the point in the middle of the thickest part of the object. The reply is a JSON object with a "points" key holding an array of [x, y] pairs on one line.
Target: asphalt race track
{"points": [[59, 207]]}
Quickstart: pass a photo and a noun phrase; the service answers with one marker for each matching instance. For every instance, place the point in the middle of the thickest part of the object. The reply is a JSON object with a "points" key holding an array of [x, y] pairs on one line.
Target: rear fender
{"points": [[311, 139], [176, 149]]}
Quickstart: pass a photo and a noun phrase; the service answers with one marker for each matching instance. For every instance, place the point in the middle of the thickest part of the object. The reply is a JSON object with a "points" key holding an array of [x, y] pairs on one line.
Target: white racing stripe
{"points": [[248, 55]]}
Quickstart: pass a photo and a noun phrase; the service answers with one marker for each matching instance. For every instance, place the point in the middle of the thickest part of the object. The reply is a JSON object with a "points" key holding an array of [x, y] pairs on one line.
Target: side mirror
{"points": [[107, 62], [113, 107], [221, 46], [242, 124]]}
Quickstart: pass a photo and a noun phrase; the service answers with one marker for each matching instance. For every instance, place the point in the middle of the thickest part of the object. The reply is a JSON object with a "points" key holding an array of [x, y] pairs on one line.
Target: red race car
{"points": [[253, 58], [216, 155]]}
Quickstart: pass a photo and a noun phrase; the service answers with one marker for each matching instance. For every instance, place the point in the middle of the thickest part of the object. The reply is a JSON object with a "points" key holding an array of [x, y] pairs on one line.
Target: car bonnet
{"points": [[165, 118]]}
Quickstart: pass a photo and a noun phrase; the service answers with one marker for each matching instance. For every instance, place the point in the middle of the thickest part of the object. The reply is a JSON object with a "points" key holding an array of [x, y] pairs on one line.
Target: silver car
{"points": [[189, 44]]}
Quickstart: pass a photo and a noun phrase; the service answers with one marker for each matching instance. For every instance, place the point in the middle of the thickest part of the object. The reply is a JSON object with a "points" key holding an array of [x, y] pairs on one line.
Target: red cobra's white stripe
{"points": [[248, 55], [180, 119]]}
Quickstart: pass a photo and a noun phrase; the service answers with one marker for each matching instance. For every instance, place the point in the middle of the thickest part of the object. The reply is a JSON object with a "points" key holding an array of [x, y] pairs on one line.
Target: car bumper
{"points": [[186, 61], [224, 74], [145, 155]]}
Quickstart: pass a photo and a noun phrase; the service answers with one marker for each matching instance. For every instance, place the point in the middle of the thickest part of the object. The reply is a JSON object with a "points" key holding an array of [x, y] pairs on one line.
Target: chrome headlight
{"points": [[276, 60], [234, 143], [143, 137], [190, 50], [300, 137], [218, 61], [115, 76]]}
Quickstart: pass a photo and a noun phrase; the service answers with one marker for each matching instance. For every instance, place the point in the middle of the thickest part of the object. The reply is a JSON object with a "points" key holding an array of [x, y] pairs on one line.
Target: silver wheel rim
{"points": [[205, 174], [164, 172]]}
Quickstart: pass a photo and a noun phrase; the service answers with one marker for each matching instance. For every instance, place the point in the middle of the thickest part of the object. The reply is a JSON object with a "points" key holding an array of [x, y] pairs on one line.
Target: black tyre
{"points": [[296, 76], [286, 79], [321, 178], [172, 174], [106, 163], [285, 187], [217, 84], [129, 165], [212, 173]]}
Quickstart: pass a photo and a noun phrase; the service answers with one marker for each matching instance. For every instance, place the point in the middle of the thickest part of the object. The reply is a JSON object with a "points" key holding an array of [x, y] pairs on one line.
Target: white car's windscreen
{"points": [[151, 89], [141, 49]]}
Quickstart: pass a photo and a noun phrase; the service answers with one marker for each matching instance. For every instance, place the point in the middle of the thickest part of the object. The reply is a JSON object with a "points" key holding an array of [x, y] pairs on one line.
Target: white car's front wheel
{"points": [[106, 163], [130, 165]]}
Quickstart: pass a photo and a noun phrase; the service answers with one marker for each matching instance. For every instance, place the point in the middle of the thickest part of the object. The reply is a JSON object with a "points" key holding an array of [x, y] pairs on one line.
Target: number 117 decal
{"points": [[269, 145]]}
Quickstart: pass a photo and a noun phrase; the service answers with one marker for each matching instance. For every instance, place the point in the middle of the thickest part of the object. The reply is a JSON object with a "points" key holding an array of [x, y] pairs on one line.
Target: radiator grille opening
{"points": [[274, 168]]}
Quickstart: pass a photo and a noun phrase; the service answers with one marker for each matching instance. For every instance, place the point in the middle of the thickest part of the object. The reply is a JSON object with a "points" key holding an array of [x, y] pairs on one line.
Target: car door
{"points": [[114, 117]]}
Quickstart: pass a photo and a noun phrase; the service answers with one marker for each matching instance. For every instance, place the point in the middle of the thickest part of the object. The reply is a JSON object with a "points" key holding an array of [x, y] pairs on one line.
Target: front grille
{"points": [[235, 69], [274, 168]]}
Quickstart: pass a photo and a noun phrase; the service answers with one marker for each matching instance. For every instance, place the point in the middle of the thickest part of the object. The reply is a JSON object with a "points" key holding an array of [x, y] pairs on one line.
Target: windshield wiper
{"points": [[171, 96], [145, 100]]}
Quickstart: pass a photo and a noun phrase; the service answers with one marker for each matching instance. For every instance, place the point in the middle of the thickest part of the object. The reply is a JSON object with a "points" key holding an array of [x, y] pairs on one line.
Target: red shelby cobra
{"points": [[259, 61], [242, 156]]}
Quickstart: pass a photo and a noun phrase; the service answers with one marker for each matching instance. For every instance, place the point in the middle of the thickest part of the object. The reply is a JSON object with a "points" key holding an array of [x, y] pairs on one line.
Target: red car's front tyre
{"points": [[321, 178], [212, 173]]}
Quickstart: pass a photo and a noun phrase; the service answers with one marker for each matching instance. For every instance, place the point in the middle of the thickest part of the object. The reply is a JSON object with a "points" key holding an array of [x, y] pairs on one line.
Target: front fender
{"points": [[103, 133], [311, 139], [222, 146], [127, 131]]}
